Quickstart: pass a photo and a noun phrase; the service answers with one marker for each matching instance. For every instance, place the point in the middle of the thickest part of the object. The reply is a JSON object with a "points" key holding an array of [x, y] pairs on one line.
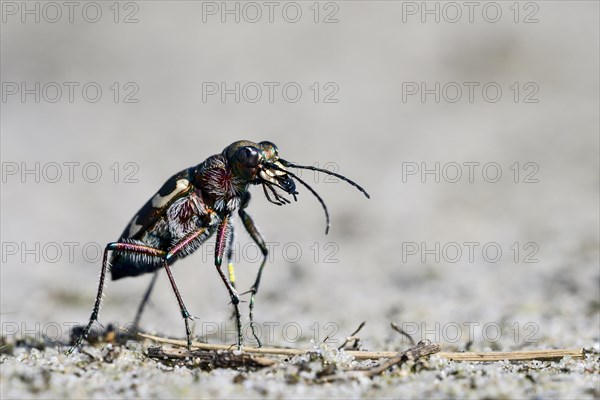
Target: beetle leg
{"points": [[184, 312], [260, 242], [140, 310], [177, 248], [230, 268], [96, 310], [222, 233]]}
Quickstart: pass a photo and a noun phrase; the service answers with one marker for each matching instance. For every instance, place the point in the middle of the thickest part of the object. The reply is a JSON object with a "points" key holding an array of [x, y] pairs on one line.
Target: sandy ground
{"points": [[481, 231]]}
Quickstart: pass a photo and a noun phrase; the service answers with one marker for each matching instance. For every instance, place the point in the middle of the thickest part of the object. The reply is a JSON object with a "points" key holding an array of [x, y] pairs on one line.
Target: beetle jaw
{"points": [[275, 173]]}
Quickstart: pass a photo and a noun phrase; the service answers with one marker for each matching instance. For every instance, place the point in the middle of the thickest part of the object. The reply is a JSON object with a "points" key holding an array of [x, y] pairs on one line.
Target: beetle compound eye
{"points": [[249, 156], [269, 150], [270, 147]]}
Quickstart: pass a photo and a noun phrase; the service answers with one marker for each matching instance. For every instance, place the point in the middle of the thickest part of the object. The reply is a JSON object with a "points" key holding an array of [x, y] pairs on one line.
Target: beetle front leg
{"points": [[260, 242], [230, 265], [222, 235], [230, 268], [96, 310]]}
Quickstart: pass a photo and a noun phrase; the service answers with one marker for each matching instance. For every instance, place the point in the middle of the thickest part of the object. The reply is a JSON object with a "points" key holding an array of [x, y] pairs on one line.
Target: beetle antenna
{"points": [[351, 182], [306, 185]]}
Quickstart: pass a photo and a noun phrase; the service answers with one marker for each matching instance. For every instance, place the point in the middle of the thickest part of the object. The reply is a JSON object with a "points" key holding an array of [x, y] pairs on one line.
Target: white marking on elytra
{"points": [[134, 228], [159, 201]]}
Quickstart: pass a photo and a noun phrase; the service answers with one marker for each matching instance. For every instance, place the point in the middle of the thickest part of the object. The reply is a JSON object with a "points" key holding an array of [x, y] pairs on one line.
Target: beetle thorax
{"points": [[221, 188]]}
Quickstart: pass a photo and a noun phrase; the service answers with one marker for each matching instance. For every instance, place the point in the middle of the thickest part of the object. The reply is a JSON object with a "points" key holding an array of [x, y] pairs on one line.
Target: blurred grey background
{"points": [[357, 67]]}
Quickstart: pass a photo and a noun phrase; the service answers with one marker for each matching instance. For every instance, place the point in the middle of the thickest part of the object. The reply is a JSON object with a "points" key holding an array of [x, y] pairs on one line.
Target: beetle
{"points": [[195, 204]]}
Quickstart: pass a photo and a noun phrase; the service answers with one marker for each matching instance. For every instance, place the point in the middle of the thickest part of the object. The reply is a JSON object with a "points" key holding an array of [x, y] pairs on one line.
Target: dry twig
{"points": [[403, 333], [422, 349], [541, 355], [208, 360], [353, 337], [359, 355]]}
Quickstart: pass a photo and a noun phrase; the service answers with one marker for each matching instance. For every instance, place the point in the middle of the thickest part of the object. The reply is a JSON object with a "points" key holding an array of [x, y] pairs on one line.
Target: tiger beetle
{"points": [[195, 204]]}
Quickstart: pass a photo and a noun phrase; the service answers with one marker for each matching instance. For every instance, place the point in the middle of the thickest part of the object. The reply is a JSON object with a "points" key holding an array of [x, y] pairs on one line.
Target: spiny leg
{"points": [[258, 239], [176, 249], [184, 312], [222, 233], [96, 310], [230, 268], [140, 310]]}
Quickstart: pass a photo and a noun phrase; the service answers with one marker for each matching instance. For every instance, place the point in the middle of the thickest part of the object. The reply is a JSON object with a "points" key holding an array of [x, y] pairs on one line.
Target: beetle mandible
{"points": [[193, 205]]}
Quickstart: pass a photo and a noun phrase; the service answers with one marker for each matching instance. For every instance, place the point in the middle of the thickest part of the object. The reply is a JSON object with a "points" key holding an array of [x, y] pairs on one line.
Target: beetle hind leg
{"points": [[144, 302], [149, 251]]}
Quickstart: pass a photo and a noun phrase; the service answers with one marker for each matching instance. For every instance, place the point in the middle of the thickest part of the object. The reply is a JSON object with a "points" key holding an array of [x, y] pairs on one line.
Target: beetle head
{"points": [[259, 163]]}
